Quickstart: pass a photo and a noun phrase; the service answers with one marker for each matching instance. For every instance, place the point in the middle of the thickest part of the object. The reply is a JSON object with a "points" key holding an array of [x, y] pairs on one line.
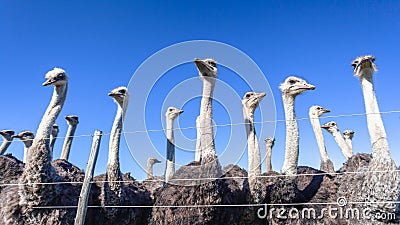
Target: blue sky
{"points": [[102, 43]]}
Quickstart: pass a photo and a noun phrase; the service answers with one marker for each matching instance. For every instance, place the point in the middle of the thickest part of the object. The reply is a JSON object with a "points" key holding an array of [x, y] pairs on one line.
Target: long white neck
{"points": [[113, 166], [3, 147], [149, 170], [292, 137], [254, 156], [208, 153], [349, 143], [170, 164], [377, 133], [197, 156], [268, 154], [68, 141], [341, 143], [320, 138], [52, 112], [53, 138], [27, 145]]}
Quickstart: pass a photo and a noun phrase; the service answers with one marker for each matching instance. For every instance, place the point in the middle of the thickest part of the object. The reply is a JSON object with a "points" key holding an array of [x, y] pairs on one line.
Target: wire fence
{"points": [[320, 173], [221, 125]]}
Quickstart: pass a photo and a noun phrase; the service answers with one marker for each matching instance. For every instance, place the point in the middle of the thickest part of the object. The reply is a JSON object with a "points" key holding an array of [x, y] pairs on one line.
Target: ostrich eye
{"points": [[171, 110], [319, 108], [248, 95], [122, 91], [61, 75], [292, 81]]}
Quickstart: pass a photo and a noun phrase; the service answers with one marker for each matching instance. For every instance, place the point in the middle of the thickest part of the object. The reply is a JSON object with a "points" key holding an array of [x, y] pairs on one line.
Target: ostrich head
{"points": [[119, 94], [348, 134], [72, 120], [269, 141], [206, 67], [153, 161], [7, 134], [26, 137], [251, 100], [55, 130], [294, 86], [172, 113], [317, 111], [330, 127], [56, 77], [364, 65]]}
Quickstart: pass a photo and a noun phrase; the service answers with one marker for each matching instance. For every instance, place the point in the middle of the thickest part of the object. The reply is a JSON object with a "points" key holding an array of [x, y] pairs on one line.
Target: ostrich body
{"points": [[291, 88], [333, 129], [72, 121], [53, 136], [171, 114], [7, 139], [208, 71], [38, 167], [269, 144], [250, 102], [27, 138], [348, 138], [325, 163], [150, 163], [378, 189]]}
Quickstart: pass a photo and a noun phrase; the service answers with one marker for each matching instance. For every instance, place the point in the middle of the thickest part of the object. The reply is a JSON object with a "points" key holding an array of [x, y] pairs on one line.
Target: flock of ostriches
{"points": [[41, 190]]}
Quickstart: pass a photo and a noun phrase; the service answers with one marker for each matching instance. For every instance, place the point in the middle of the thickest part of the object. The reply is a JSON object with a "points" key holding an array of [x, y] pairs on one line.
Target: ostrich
{"points": [[289, 189], [333, 129], [72, 121], [314, 113], [192, 184], [115, 189], [378, 189], [348, 137], [27, 138], [208, 71], [53, 136], [250, 102], [7, 139], [171, 114], [269, 144], [38, 168], [150, 162]]}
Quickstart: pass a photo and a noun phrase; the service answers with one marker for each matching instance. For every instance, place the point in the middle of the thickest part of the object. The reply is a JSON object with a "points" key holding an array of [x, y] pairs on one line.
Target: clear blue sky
{"points": [[101, 43]]}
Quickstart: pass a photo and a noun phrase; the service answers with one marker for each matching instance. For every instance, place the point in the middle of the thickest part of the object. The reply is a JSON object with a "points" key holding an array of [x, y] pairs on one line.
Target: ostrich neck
{"points": [[170, 164], [349, 143], [376, 129], [68, 142], [149, 170], [4, 146], [27, 145], [197, 156], [342, 144], [320, 138], [208, 153], [292, 137], [268, 148], [252, 144], [113, 166], [53, 139], [52, 112]]}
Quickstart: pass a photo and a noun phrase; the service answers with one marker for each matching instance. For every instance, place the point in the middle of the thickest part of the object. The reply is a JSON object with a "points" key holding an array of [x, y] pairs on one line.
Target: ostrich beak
{"points": [[325, 126], [181, 111], [326, 110], [50, 81], [157, 161]]}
